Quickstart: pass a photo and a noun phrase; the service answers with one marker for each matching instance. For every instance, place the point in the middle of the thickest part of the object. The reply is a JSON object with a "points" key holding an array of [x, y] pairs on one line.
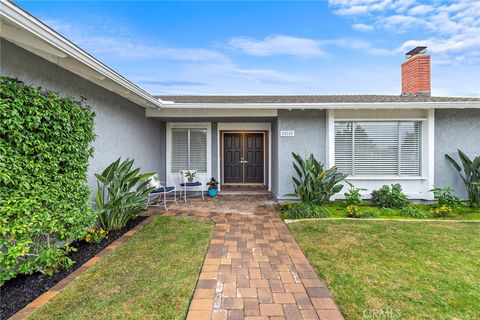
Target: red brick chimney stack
{"points": [[416, 73]]}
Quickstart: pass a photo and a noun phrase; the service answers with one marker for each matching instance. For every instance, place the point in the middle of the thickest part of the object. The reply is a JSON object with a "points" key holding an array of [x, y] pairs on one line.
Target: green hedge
{"points": [[44, 202]]}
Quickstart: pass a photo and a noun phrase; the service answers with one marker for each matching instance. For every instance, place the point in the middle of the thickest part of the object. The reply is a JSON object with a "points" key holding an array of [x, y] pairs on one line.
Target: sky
{"points": [[274, 47]]}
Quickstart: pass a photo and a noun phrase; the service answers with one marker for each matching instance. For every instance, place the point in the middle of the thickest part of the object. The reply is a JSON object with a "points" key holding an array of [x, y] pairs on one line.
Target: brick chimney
{"points": [[416, 73]]}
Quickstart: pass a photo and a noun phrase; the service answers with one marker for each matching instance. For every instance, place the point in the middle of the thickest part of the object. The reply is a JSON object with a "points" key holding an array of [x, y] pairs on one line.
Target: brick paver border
{"points": [[53, 291]]}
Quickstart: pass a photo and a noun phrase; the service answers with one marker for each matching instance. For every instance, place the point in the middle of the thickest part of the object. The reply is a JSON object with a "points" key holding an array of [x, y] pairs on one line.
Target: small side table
{"points": [[196, 185]]}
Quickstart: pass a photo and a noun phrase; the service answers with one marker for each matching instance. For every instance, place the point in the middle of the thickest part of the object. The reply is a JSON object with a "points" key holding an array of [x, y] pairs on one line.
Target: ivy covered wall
{"points": [[45, 147]]}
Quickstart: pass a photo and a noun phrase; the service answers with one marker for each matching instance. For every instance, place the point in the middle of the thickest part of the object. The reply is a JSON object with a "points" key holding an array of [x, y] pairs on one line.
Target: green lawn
{"points": [[151, 276], [414, 270], [338, 209]]}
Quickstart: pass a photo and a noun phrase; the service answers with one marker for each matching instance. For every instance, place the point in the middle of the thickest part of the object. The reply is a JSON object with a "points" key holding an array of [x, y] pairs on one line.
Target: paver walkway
{"points": [[253, 268]]}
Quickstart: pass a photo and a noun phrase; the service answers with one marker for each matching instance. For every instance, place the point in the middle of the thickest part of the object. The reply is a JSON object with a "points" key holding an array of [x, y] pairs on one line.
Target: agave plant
{"points": [[470, 176], [314, 184], [122, 194]]}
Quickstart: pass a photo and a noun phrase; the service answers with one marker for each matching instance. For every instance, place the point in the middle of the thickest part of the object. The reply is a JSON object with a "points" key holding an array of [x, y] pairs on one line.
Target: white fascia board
{"points": [[13, 15], [305, 106], [209, 113]]}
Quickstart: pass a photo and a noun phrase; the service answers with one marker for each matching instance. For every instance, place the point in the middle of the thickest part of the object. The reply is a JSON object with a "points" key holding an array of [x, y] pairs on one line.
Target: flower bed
{"points": [[20, 291]]}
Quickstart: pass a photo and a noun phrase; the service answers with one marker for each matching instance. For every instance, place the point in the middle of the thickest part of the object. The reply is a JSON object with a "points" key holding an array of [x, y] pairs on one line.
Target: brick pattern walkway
{"points": [[253, 268]]}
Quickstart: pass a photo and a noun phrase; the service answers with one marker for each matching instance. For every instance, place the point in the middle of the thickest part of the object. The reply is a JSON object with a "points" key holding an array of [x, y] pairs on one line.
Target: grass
{"points": [[151, 276], [338, 209], [408, 270]]}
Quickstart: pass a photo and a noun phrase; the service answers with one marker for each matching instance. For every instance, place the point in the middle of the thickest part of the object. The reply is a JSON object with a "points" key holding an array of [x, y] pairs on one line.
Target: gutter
{"points": [[350, 105], [18, 17]]}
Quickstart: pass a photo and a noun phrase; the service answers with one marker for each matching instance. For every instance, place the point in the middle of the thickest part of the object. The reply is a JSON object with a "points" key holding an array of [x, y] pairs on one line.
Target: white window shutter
{"points": [[198, 150], [343, 147], [378, 148], [409, 148], [179, 150]]}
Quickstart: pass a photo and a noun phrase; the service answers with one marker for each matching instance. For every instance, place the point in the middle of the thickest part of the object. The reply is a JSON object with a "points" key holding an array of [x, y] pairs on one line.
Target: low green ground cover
{"points": [[394, 270], [151, 276], [338, 209]]}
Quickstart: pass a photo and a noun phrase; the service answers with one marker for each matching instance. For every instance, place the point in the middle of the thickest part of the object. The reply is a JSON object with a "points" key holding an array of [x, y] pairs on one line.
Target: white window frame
{"points": [[417, 187], [397, 122], [174, 178]]}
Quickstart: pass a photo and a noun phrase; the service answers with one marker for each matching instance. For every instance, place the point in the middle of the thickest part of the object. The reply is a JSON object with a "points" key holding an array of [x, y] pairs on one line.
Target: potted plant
{"points": [[212, 187], [190, 175]]}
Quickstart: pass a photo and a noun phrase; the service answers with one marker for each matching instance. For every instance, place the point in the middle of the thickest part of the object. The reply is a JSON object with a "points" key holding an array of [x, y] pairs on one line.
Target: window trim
{"points": [[415, 187], [187, 125], [426, 144], [398, 176]]}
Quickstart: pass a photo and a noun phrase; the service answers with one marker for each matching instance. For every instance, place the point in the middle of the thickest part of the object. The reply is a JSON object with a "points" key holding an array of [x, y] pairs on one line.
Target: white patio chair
{"points": [[158, 196], [195, 184]]}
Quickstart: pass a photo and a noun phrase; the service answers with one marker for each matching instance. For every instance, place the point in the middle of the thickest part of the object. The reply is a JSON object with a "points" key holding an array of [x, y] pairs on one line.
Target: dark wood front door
{"points": [[243, 158]]}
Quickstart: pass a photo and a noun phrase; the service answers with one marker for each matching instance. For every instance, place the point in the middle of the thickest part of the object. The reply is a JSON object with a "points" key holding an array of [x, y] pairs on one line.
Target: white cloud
{"points": [[420, 9], [401, 23], [205, 66], [453, 29], [277, 45], [130, 49], [362, 27], [354, 10], [96, 41], [300, 47], [365, 7]]}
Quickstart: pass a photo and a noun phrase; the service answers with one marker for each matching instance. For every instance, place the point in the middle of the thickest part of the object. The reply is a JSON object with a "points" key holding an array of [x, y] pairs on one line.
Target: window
{"points": [[189, 149], [378, 148]]}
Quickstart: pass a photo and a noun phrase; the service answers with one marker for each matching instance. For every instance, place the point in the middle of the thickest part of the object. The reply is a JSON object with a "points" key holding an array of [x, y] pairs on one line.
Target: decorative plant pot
{"points": [[190, 179], [212, 192]]}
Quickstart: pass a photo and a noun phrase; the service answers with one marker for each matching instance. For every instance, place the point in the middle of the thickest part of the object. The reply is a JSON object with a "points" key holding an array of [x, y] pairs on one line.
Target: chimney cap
{"points": [[415, 51]]}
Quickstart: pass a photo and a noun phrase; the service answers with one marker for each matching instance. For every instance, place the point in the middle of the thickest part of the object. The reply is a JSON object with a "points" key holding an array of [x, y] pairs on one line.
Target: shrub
{"points": [[314, 184], [355, 212], [390, 197], [445, 197], [441, 212], [470, 176], [95, 235], [352, 196], [388, 211], [122, 194], [44, 149], [370, 213], [301, 210], [413, 212]]}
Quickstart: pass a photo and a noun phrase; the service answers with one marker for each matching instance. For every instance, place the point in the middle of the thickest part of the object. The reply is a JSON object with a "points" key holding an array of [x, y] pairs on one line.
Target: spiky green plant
{"points": [[314, 184], [122, 194], [470, 176]]}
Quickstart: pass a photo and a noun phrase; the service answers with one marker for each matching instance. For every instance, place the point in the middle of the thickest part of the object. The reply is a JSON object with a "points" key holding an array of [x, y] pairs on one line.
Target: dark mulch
{"points": [[20, 291]]}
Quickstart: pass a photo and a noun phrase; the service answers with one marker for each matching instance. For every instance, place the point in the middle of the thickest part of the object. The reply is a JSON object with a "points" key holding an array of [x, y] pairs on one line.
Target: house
{"points": [[376, 139]]}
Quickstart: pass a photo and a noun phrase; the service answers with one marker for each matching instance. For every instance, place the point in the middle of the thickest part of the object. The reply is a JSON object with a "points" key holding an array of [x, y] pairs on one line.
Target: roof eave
{"points": [[13, 15], [351, 105]]}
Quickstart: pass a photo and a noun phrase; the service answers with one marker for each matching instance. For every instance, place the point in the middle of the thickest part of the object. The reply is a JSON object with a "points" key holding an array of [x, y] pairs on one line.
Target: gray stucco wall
{"points": [[215, 150], [121, 126], [310, 137], [275, 157], [455, 129]]}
